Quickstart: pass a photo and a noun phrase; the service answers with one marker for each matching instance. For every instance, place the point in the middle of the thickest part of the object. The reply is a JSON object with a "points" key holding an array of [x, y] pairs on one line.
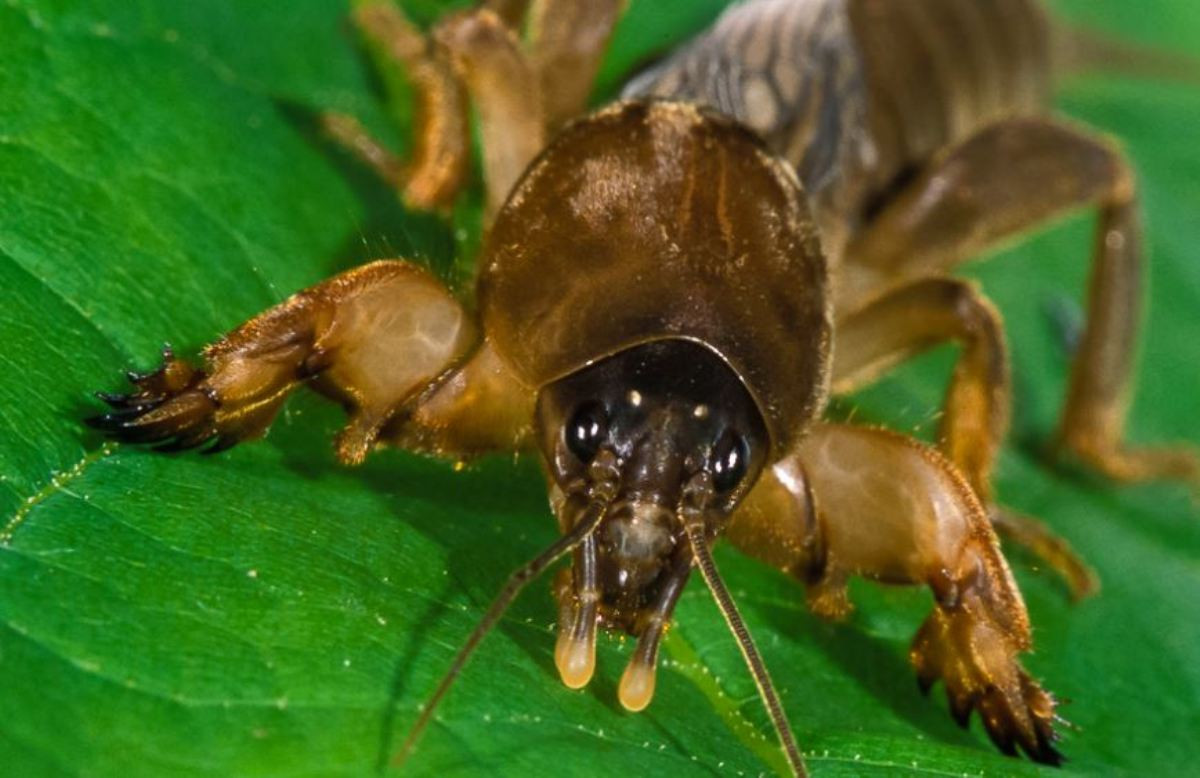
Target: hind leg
{"points": [[854, 501], [1006, 180]]}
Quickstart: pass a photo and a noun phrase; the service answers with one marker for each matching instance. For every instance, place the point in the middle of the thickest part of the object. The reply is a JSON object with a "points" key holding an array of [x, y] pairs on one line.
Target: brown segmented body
{"points": [[856, 94]]}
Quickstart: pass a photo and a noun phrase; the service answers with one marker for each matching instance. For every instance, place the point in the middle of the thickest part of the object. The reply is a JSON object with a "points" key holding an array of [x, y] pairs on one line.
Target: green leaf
{"points": [[267, 612]]}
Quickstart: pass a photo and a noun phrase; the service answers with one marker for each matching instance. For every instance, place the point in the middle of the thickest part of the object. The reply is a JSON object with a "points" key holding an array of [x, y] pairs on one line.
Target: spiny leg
{"points": [[856, 501], [1007, 179], [373, 338], [437, 170], [911, 318]]}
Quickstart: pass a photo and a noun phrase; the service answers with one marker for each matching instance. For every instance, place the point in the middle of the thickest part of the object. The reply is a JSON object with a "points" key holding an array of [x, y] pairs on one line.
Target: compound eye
{"points": [[587, 430], [730, 457]]}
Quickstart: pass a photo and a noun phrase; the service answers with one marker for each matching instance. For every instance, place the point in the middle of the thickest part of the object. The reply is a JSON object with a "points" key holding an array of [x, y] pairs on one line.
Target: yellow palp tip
{"points": [[637, 686], [575, 660]]}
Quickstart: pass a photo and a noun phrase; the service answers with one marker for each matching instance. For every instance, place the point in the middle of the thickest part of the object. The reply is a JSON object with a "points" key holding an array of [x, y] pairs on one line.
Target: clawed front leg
{"points": [[374, 339], [173, 408], [969, 643], [855, 501]]}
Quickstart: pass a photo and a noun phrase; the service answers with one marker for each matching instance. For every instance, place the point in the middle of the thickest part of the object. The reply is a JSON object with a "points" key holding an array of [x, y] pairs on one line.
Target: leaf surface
{"points": [[267, 612]]}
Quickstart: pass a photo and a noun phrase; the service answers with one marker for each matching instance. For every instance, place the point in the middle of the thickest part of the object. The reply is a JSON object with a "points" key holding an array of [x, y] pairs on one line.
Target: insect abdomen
{"points": [[939, 70], [855, 92]]}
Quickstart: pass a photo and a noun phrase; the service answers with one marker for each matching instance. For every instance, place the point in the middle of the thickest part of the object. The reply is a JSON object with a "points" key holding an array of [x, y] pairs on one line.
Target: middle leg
{"points": [[924, 313], [915, 317], [1007, 179]]}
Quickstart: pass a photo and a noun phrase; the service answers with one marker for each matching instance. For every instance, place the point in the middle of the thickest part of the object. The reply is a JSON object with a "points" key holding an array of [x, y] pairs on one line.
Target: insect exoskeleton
{"points": [[653, 221]]}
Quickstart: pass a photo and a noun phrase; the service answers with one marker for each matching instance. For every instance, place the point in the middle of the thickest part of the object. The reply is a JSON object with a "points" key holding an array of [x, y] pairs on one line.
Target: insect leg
{"points": [[478, 407], [371, 338], [911, 318], [1057, 554], [435, 173], [1007, 179], [568, 39], [511, 12], [872, 503], [503, 86]]}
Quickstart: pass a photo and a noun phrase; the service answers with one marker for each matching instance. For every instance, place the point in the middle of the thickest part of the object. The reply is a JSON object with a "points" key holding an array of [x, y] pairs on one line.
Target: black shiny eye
{"points": [[730, 457], [586, 431]]}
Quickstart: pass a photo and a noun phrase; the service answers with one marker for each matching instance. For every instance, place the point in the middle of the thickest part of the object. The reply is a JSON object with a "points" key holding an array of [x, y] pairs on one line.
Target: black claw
{"points": [[101, 422], [130, 404], [132, 428], [111, 422], [113, 400], [222, 443], [1043, 750], [925, 684], [1002, 738], [960, 708], [163, 410], [1047, 754], [132, 412]]}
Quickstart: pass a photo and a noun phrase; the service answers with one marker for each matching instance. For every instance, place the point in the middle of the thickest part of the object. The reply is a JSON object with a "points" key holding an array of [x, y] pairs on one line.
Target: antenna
{"points": [[590, 518], [766, 690]]}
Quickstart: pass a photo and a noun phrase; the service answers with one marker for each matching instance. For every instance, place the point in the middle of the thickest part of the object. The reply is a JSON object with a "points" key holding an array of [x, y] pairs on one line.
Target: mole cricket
{"points": [[671, 287]]}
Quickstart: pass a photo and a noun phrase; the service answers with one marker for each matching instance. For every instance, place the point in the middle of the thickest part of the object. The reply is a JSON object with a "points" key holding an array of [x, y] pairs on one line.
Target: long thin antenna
{"points": [[590, 518], [766, 690]]}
